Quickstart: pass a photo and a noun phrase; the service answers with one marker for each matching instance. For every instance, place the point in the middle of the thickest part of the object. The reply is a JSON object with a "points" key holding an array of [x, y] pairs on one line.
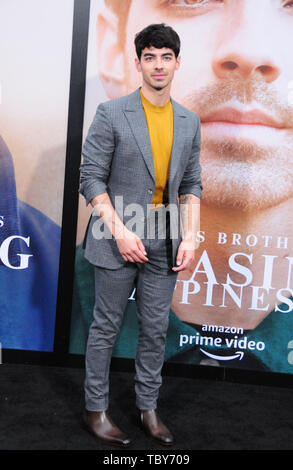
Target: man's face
{"points": [[236, 67], [157, 67]]}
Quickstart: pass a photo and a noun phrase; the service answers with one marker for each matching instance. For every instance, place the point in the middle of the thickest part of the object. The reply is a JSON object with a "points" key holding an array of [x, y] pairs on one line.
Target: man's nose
{"points": [[159, 63], [234, 64], [244, 50]]}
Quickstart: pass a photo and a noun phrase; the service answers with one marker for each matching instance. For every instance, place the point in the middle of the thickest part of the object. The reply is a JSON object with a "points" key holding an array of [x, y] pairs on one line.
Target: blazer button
{"points": [[150, 191]]}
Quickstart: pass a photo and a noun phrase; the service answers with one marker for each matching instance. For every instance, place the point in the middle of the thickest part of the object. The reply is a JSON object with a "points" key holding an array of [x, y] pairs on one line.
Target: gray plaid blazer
{"points": [[117, 159]]}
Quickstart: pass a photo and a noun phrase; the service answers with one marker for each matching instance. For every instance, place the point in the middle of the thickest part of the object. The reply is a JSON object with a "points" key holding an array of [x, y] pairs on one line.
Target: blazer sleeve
{"points": [[97, 154], [191, 182]]}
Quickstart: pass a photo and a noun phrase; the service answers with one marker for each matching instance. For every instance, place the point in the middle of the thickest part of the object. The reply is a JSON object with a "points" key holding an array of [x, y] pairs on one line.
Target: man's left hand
{"points": [[185, 255]]}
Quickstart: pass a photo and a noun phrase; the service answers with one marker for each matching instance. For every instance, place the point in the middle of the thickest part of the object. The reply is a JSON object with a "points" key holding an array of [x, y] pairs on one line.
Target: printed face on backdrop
{"points": [[235, 69], [35, 79]]}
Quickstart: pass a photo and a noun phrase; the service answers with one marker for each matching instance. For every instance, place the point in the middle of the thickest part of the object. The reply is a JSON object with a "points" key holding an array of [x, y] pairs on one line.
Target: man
{"points": [[235, 75], [144, 149], [29, 260]]}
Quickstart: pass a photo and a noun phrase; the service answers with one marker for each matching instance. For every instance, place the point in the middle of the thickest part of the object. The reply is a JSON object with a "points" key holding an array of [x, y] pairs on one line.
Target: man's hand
{"points": [[189, 205], [131, 247], [185, 255]]}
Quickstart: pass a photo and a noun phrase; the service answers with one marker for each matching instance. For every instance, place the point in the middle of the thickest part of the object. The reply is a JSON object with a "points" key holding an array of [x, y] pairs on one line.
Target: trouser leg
{"points": [[155, 286], [112, 287]]}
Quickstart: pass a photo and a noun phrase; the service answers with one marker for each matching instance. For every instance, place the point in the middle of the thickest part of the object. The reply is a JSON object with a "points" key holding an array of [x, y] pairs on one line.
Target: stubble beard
{"points": [[236, 174], [240, 173], [157, 87], [246, 185]]}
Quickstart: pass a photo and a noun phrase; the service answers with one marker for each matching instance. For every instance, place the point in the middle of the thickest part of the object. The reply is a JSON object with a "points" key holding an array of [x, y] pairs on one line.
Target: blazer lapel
{"points": [[136, 118], [178, 138]]}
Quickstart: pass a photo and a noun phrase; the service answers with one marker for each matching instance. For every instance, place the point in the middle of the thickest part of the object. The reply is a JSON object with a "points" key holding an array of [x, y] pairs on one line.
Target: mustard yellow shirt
{"points": [[160, 125]]}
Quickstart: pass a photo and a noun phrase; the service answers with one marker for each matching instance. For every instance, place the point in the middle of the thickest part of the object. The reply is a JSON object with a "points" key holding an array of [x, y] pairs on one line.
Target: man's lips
{"points": [[159, 75], [234, 116]]}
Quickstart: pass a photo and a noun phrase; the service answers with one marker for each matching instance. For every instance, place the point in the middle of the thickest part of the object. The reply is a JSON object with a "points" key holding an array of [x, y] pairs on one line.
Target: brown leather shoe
{"points": [[102, 427], [150, 421]]}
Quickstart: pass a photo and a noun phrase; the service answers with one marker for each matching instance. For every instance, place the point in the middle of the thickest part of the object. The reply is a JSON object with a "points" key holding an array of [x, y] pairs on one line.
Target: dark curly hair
{"points": [[159, 36]]}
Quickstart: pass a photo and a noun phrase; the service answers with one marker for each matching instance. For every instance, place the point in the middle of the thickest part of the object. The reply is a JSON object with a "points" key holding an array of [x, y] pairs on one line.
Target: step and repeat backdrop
{"points": [[234, 307]]}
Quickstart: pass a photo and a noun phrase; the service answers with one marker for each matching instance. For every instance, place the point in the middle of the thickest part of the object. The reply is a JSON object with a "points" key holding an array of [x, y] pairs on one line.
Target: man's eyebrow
{"points": [[154, 55]]}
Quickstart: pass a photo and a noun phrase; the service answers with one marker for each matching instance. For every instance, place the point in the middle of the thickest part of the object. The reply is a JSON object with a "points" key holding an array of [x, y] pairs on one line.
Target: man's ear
{"points": [[110, 55], [137, 64]]}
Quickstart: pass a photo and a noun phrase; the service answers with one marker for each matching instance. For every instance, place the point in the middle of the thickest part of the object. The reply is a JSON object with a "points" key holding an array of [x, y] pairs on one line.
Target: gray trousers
{"points": [[155, 283]]}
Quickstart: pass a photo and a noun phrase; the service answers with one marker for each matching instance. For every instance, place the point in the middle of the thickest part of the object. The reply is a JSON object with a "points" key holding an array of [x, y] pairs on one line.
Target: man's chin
{"points": [[244, 185], [158, 86], [246, 200]]}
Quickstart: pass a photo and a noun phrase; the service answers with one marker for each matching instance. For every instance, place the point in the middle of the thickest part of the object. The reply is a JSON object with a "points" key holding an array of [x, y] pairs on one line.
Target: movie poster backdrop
{"points": [[35, 43], [233, 307]]}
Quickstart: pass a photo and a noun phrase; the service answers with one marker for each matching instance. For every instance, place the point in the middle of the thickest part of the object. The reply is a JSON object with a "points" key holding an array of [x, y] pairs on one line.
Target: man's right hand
{"points": [[131, 247]]}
